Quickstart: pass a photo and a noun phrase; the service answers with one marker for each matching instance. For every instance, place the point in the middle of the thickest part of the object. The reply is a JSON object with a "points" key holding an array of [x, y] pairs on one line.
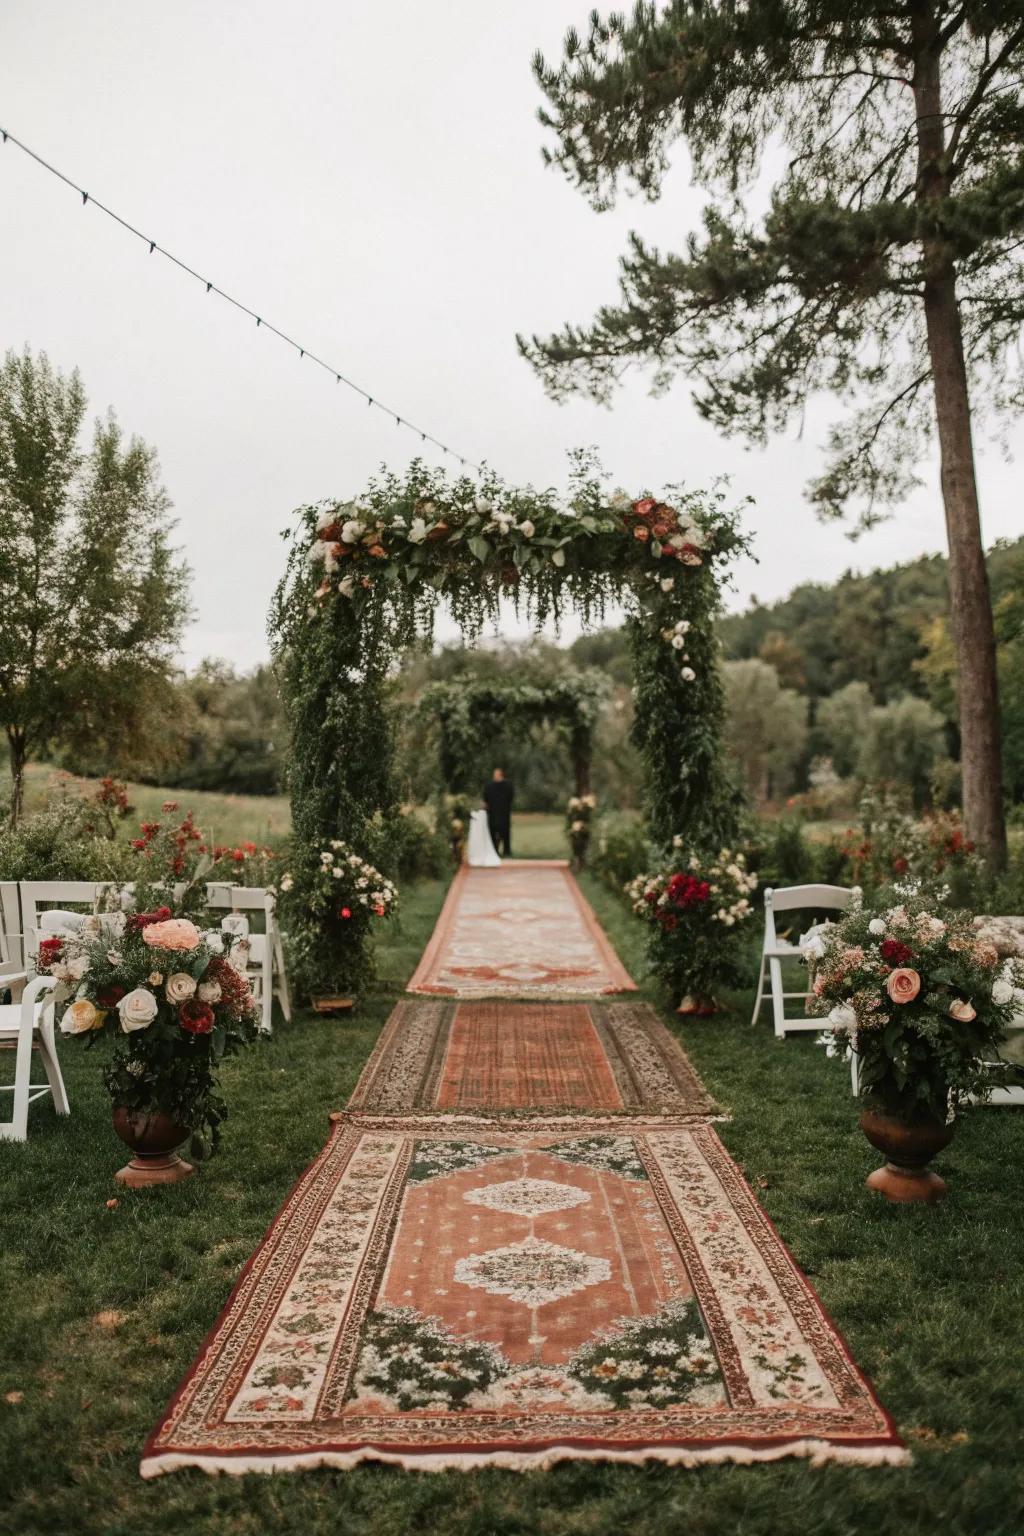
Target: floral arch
{"points": [[363, 581]]}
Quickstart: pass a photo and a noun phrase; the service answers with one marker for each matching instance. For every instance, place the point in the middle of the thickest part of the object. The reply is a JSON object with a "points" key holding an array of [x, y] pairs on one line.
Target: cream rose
{"points": [[179, 988], [209, 991], [961, 1011], [903, 985], [527, 529], [80, 1017], [137, 1009]]}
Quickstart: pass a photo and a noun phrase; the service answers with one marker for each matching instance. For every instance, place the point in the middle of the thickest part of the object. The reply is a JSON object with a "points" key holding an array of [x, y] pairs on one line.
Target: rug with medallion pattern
{"points": [[469, 1292]]}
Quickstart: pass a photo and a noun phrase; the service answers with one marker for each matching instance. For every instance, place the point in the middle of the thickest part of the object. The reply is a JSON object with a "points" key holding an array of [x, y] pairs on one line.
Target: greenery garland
{"points": [[363, 582]]}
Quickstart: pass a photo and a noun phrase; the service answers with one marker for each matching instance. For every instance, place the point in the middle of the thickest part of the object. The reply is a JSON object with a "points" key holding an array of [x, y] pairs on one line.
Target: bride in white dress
{"points": [[481, 851]]}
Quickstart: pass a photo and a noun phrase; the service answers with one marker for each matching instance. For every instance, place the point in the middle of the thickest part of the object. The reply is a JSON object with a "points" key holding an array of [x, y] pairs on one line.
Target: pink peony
{"points": [[961, 1011], [176, 933], [903, 985]]}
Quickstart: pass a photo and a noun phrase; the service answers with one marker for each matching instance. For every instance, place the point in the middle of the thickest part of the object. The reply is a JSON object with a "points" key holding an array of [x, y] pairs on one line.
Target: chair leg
{"points": [[855, 1073], [16, 1129], [51, 1065], [760, 994], [267, 989], [778, 1001], [283, 995]]}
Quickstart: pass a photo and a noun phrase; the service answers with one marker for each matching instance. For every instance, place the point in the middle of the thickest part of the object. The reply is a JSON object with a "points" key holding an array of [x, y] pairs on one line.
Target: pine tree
{"points": [[883, 139]]}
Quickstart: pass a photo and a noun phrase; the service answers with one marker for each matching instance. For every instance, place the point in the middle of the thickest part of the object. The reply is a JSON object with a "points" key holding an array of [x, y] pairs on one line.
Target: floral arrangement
{"points": [[933, 854], [579, 814], [330, 899], [921, 999], [695, 907], [170, 997], [455, 815]]}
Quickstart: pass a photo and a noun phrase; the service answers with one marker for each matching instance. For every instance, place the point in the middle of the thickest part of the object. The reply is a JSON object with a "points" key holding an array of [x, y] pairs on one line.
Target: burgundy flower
{"points": [[687, 891], [139, 920], [196, 1017], [109, 997], [895, 953]]}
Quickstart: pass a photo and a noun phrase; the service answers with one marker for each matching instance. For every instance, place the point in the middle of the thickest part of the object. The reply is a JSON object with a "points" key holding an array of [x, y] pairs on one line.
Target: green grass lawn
{"points": [[104, 1310]]}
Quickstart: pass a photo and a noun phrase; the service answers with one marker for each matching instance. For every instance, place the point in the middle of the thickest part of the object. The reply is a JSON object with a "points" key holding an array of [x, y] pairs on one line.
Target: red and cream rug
{"points": [[523, 930], [484, 1056], [464, 1293]]}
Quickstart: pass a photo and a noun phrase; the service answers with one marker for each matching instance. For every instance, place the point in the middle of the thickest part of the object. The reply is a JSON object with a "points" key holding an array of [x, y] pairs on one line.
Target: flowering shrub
{"points": [[174, 852], [171, 999], [578, 815], [330, 899], [696, 908], [921, 1000]]}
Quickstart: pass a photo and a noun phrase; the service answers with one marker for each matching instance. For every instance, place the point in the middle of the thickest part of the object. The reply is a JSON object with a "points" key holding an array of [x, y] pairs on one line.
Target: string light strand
{"points": [[155, 248]]}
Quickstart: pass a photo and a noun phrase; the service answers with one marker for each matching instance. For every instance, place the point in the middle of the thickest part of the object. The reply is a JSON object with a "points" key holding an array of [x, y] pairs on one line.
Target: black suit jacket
{"points": [[498, 800]]}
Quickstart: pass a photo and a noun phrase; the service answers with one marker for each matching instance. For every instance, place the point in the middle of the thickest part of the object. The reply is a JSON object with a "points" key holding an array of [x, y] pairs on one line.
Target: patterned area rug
{"points": [[458, 1057], [523, 930], [472, 1293]]}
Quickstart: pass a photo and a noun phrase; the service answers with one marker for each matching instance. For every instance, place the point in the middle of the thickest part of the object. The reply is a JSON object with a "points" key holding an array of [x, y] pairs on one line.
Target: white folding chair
{"points": [[11, 950], [775, 951], [265, 965], [39, 895], [28, 1025]]}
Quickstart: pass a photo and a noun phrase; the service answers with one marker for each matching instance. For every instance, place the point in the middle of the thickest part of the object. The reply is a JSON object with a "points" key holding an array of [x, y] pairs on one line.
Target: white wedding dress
{"points": [[481, 851]]}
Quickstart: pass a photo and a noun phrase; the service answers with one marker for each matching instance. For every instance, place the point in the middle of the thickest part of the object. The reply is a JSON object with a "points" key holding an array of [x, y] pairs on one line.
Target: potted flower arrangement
{"points": [[336, 893], [578, 816], [176, 1006], [696, 908], [921, 1000]]}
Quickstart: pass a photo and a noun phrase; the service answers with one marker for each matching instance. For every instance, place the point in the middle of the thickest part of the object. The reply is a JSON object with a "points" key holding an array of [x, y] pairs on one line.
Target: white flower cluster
{"points": [[732, 882], [370, 887], [583, 803], [676, 638]]}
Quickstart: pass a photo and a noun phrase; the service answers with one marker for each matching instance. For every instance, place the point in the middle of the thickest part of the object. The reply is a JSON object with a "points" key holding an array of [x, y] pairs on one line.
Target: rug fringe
{"points": [[818, 1452]]}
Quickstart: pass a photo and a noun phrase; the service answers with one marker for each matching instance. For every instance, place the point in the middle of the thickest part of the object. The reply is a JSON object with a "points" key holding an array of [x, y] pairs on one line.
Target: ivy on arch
{"points": [[469, 709], [362, 584]]}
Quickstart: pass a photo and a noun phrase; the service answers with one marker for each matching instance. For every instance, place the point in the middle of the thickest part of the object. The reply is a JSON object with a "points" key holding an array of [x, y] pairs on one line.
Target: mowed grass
{"points": [[104, 1310]]}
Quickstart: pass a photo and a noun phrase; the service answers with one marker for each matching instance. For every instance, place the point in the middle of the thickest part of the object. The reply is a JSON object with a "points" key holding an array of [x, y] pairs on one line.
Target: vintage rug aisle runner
{"points": [[523, 930], [456, 1057], [463, 1293]]}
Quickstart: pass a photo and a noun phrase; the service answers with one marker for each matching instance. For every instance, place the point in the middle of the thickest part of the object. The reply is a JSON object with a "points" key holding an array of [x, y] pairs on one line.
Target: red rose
{"points": [[900, 866], [49, 949], [139, 920], [109, 997], [345, 912], [196, 1017], [895, 953], [687, 891]]}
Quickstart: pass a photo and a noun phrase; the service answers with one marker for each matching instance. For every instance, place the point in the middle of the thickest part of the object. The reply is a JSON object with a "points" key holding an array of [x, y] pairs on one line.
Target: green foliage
{"points": [[361, 586], [406, 847], [330, 900], [902, 744], [619, 850], [94, 597], [765, 726], [842, 725]]}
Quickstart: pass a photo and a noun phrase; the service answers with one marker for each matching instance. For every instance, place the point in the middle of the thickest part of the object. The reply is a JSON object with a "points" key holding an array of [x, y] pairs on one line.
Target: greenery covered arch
{"points": [[363, 581], [471, 709]]}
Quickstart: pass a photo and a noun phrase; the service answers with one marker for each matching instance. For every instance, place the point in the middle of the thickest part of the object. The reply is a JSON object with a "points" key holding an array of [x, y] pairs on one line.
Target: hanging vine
{"points": [[365, 577]]}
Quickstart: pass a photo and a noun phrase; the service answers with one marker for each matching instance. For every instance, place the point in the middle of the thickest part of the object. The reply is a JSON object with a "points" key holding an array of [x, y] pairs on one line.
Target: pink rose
{"points": [[961, 1011], [175, 933], [903, 985]]}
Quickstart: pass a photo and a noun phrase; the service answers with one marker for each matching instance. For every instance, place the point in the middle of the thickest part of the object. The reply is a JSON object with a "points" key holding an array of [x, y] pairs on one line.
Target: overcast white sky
{"points": [[368, 177]]}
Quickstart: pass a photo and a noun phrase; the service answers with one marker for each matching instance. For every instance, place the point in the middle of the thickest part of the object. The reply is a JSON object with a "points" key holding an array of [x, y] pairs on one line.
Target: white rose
{"points": [[558, 557], [1002, 993], [843, 1017], [286, 882], [683, 627], [209, 991], [417, 531], [688, 675], [678, 642], [527, 529], [337, 872], [138, 1009], [876, 926], [346, 586], [325, 519], [351, 531], [179, 988], [694, 535], [667, 583]]}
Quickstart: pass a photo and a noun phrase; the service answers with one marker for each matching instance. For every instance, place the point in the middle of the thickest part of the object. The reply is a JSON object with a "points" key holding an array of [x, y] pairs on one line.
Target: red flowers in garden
{"points": [[895, 953], [687, 891]]}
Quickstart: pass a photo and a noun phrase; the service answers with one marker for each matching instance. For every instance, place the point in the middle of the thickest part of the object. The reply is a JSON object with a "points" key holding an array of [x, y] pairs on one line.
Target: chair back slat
{"points": [[791, 898], [11, 942]]}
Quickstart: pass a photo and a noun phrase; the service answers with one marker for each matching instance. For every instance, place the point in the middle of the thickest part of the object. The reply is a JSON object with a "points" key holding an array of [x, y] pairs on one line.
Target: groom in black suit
{"points": [[498, 802]]}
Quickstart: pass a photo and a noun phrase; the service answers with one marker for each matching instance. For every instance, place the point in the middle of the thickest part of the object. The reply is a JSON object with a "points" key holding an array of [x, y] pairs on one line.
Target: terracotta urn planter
{"points": [[154, 1140], [908, 1149]]}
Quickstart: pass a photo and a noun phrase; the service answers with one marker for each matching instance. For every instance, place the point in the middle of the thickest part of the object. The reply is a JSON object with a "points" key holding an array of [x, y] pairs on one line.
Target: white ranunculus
{"points": [[876, 926], [527, 529], [137, 1009], [843, 1017], [352, 531], [417, 530], [179, 988]]}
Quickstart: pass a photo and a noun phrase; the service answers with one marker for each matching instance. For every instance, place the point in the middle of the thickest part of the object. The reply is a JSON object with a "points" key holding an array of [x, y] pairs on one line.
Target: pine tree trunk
{"points": [[970, 601]]}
